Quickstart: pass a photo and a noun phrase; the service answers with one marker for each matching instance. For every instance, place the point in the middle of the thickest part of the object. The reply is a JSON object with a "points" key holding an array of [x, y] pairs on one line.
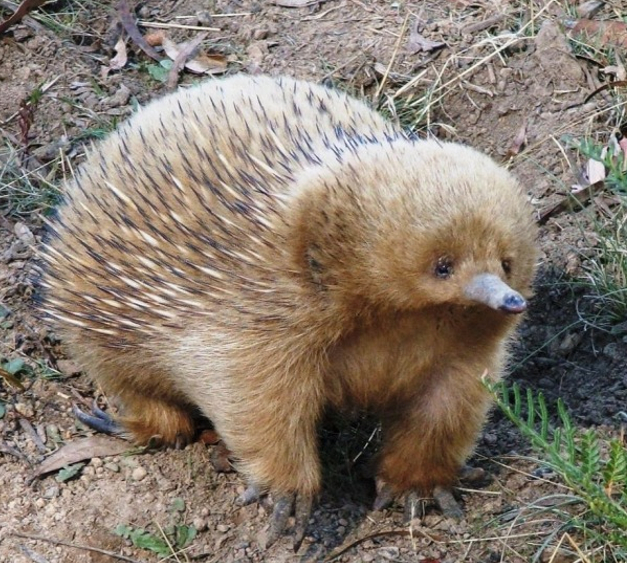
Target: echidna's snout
{"points": [[495, 293], [514, 303]]}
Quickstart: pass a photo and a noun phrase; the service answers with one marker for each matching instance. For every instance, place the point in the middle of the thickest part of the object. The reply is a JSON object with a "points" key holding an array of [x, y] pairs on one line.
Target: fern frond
{"points": [[598, 480]]}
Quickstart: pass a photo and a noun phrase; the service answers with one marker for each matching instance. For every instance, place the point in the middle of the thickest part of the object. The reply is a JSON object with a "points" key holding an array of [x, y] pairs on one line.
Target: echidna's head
{"points": [[408, 225]]}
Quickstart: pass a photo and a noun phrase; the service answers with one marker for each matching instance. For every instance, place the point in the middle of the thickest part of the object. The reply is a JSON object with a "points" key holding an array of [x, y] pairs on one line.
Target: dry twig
{"points": [[130, 26], [23, 9], [179, 62], [53, 541]]}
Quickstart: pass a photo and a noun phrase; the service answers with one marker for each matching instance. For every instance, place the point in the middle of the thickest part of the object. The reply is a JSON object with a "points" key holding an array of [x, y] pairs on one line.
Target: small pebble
{"points": [[113, 467], [260, 33], [222, 528], [200, 524], [25, 409], [389, 553], [139, 473], [51, 492]]}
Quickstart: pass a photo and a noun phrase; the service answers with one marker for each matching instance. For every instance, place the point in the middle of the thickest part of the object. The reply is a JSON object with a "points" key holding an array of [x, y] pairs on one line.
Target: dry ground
{"points": [[505, 71]]}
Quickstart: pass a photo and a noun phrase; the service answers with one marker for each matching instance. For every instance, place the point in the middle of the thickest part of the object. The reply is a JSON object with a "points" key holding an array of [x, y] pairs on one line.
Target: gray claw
{"points": [[447, 503], [97, 411], [414, 507], [99, 421], [385, 496], [250, 495], [280, 515], [473, 476], [302, 513]]}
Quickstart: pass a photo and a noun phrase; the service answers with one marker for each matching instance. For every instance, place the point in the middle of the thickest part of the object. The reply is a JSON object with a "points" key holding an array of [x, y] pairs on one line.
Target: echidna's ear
{"points": [[308, 251], [314, 264], [312, 232]]}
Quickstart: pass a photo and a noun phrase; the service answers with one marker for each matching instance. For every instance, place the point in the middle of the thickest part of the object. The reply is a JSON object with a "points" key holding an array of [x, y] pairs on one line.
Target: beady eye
{"points": [[444, 268], [507, 266]]}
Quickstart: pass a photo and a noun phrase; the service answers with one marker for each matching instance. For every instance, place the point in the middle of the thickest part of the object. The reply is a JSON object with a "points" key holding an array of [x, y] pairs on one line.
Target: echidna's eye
{"points": [[507, 266], [444, 268]]}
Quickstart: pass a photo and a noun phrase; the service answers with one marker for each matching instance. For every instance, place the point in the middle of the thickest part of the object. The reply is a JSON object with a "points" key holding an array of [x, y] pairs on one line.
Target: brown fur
{"points": [[263, 248]]}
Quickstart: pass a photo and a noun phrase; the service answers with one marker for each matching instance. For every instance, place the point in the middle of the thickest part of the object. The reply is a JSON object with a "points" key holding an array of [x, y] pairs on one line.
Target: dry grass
{"points": [[26, 190]]}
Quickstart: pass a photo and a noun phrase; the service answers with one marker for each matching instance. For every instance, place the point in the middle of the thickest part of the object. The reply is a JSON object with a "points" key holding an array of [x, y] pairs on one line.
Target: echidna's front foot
{"points": [[98, 420], [284, 505], [446, 503], [415, 503]]}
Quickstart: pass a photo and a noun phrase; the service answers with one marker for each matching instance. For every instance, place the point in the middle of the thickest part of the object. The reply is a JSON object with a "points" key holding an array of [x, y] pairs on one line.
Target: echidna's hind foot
{"points": [[284, 506], [146, 421], [150, 420], [98, 420]]}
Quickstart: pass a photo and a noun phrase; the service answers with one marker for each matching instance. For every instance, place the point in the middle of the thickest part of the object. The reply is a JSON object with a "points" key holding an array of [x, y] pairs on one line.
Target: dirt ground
{"points": [[490, 88]]}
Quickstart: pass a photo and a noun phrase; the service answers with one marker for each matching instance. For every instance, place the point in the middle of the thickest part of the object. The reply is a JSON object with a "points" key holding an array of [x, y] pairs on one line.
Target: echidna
{"points": [[263, 248]]}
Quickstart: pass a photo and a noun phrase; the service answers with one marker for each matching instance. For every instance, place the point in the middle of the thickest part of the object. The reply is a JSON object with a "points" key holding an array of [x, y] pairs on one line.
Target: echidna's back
{"points": [[178, 210]]}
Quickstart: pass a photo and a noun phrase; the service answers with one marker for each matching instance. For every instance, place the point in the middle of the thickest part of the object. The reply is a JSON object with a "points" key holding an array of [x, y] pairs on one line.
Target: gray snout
{"points": [[514, 303], [495, 293]]}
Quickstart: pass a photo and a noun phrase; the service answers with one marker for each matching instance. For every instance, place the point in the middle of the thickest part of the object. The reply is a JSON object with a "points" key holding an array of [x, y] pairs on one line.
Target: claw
{"points": [[220, 455], [280, 515], [250, 495], [414, 506], [447, 503], [474, 476], [98, 420], [97, 411], [385, 496], [302, 513]]}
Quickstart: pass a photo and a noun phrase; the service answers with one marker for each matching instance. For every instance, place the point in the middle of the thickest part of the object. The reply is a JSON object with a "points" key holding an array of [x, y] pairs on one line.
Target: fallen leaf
{"points": [[186, 50], [606, 86], [518, 143], [417, 42], [68, 472], [119, 61], [589, 9], [160, 71], [623, 147], [476, 27], [201, 64], [581, 197], [80, 450], [208, 64], [295, 3], [21, 11], [130, 26], [595, 170], [606, 202], [11, 380], [616, 70], [606, 32]]}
